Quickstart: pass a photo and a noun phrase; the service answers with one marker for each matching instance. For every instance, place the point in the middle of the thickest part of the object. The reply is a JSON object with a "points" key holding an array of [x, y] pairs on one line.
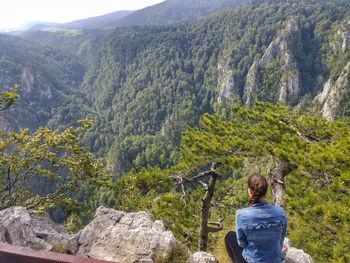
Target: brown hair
{"points": [[258, 184]]}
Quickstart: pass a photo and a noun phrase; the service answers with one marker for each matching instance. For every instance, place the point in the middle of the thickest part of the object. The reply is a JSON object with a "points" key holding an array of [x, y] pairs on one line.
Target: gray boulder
{"points": [[295, 255], [125, 237], [111, 235], [202, 257], [22, 227], [103, 219]]}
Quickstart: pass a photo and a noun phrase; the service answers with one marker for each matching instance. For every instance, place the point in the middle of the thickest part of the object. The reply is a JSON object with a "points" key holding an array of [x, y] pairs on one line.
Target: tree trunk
{"points": [[276, 178], [204, 217]]}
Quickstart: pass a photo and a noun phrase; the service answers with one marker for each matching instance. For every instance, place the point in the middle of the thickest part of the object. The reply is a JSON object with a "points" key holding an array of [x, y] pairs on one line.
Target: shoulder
{"points": [[278, 211], [241, 213]]}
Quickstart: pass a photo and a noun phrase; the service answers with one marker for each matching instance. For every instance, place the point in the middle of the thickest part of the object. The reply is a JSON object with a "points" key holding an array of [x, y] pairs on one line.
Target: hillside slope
{"points": [[144, 85], [48, 79], [151, 82]]}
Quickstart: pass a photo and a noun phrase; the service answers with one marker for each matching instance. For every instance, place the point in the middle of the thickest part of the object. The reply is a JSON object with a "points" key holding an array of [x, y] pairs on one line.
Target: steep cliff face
{"points": [[48, 78], [226, 83], [342, 37], [34, 84], [333, 101], [275, 77], [39, 96], [36, 91], [335, 95]]}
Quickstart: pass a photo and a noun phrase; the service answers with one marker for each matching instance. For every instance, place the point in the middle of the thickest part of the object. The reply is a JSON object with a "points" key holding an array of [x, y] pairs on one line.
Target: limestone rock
{"points": [[34, 83], [289, 86], [111, 235], [295, 255], [226, 83], [341, 40], [125, 237], [103, 219], [334, 94], [19, 226], [202, 257]]}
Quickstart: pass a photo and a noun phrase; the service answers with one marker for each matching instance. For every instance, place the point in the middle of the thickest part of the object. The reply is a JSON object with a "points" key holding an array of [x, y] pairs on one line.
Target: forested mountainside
{"points": [[144, 85], [149, 86], [48, 78], [80, 44]]}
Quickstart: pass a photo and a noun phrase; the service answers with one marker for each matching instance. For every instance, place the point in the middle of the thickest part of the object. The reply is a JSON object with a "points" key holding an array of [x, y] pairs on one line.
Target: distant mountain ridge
{"points": [[177, 11], [99, 22], [165, 13]]}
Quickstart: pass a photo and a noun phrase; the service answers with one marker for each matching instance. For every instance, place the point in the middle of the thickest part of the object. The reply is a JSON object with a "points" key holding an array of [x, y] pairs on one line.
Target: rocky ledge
{"points": [[112, 235]]}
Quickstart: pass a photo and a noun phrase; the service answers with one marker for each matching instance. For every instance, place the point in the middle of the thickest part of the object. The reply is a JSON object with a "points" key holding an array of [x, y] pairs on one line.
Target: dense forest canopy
{"points": [[145, 87]]}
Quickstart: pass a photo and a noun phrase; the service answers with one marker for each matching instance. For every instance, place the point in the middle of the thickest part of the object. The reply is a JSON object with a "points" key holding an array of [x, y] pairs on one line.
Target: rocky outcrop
{"points": [[226, 83], [336, 91], [341, 40], [125, 237], [35, 84], [295, 255], [289, 86], [202, 257], [21, 227], [334, 94], [112, 235]]}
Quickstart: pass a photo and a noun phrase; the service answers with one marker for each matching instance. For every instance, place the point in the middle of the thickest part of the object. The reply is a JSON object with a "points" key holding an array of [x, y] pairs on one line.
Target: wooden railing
{"points": [[15, 254]]}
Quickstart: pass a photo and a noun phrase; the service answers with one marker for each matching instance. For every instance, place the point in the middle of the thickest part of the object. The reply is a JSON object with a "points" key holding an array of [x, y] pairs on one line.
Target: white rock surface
{"points": [[334, 93], [111, 235], [295, 255], [289, 86], [202, 257], [125, 238], [226, 83], [21, 227]]}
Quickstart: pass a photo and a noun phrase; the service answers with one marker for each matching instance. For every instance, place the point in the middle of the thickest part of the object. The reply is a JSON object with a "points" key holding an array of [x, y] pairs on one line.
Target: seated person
{"points": [[260, 228]]}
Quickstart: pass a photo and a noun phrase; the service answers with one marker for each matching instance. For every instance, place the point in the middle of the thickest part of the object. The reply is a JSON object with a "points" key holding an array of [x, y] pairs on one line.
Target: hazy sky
{"points": [[14, 13]]}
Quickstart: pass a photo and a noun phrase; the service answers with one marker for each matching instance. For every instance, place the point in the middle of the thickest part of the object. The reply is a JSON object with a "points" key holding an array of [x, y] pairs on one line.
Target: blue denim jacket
{"points": [[261, 229]]}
